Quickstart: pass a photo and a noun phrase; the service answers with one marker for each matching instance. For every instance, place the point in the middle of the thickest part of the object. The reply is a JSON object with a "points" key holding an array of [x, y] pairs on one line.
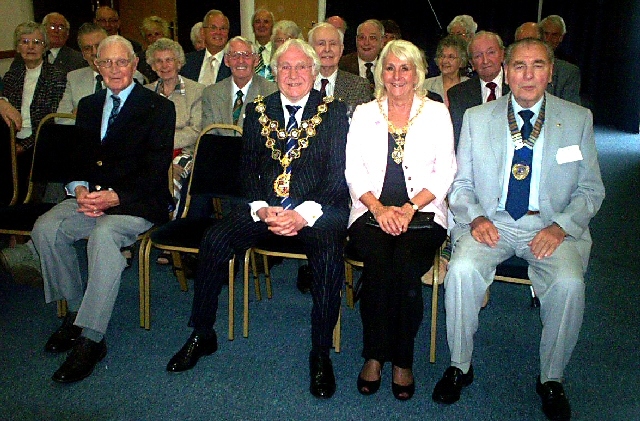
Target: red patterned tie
{"points": [[492, 86]]}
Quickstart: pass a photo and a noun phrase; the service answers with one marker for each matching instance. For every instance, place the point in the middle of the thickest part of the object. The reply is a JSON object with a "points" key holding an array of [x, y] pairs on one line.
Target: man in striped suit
{"points": [[301, 195]]}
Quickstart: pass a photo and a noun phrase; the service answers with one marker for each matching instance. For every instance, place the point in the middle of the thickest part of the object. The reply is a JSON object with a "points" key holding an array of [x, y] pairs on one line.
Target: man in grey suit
{"points": [[353, 90], [64, 58], [565, 82], [219, 100], [87, 80], [486, 52], [531, 194]]}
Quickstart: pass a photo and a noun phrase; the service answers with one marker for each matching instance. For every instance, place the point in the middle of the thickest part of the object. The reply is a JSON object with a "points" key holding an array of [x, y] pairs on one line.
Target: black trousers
{"points": [[391, 304], [238, 232]]}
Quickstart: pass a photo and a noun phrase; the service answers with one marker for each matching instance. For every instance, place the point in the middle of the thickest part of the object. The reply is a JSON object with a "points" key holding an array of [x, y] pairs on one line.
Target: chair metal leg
{"points": [[267, 275], [256, 277], [348, 280], [337, 331], [62, 308], [245, 291], [231, 296], [179, 269], [146, 321], [434, 307], [535, 301]]}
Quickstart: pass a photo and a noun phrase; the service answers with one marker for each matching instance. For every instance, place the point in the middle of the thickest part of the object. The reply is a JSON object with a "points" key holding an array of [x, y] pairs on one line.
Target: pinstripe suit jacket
{"points": [[318, 174], [46, 97], [217, 101]]}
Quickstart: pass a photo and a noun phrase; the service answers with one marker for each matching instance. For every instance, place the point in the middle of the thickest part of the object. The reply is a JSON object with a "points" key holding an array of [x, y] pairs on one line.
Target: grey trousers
{"points": [[558, 281], [53, 236]]}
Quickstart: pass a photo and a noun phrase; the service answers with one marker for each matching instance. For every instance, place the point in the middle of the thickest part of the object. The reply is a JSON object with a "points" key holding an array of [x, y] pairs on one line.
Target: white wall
{"points": [[13, 12]]}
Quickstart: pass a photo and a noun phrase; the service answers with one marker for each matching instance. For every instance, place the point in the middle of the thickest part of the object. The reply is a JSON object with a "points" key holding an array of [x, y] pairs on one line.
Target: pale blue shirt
{"points": [[106, 112], [536, 165]]}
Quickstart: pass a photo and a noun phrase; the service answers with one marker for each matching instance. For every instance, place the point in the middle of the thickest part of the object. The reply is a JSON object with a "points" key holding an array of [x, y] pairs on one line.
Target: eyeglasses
{"points": [[297, 67], [111, 21], [58, 27], [239, 54], [479, 55], [89, 48], [27, 41], [106, 64], [447, 56], [214, 28]]}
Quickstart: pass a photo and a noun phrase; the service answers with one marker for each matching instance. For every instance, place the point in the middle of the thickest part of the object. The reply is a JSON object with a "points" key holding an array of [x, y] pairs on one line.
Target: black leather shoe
{"points": [[63, 339], [323, 381], [555, 404], [305, 278], [448, 389], [80, 363], [198, 345]]}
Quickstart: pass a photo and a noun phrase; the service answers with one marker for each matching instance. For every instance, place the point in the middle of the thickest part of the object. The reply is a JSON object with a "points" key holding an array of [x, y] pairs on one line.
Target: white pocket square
{"points": [[568, 154]]}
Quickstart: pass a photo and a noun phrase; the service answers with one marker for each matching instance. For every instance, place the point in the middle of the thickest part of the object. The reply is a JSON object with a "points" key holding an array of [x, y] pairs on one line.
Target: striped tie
{"points": [[260, 67], [291, 144], [237, 106]]}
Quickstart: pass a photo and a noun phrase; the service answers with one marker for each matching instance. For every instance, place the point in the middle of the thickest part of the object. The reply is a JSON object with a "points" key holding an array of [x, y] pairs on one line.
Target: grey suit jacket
{"points": [[353, 90], [217, 101], [570, 193], [80, 83], [565, 82]]}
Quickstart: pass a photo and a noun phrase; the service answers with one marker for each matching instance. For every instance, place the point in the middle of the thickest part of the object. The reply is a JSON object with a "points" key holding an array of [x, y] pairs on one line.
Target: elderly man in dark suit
{"points": [[328, 42], [125, 140], [293, 162], [369, 42], [486, 52], [207, 66], [528, 184]]}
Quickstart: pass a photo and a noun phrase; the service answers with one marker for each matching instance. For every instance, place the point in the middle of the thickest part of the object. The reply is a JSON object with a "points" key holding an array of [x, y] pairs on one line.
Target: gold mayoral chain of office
{"points": [[302, 134], [520, 170], [399, 135]]}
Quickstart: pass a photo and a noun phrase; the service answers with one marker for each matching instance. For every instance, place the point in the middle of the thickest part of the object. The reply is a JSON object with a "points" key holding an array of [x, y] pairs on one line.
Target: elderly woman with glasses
{"points": [[30, 92], [451, 58], [166, 57], [400, 164]]}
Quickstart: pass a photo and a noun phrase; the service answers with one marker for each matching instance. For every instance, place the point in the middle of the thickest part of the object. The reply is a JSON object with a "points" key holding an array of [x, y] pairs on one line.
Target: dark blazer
{"points": [[318, 174], [349, 63], [191, 68], [46, 97], [135, 155], [463, 96], [67, 60]]}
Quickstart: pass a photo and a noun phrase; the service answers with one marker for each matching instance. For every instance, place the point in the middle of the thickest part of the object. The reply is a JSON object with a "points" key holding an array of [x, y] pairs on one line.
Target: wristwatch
{"points": [[414, 206]]}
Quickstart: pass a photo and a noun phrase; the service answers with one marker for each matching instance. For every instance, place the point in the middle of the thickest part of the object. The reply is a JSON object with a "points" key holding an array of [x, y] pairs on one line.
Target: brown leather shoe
{"points": [[63, 339], [81, 361]]}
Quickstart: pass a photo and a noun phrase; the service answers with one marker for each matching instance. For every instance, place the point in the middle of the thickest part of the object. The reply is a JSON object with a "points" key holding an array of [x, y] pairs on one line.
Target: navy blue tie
{"points": [[520, 180], [291, 144], [114, 111]]}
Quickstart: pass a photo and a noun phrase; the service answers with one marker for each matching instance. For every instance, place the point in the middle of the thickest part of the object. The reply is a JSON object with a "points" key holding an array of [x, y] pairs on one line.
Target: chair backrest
{"points": [[216, 164], [8, 165], [53, 153]]}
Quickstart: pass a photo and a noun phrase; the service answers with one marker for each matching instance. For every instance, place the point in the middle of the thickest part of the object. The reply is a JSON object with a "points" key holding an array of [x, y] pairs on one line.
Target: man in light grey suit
{"points": [[532, 194], [219, 100], [87, 80], [347, 87]]}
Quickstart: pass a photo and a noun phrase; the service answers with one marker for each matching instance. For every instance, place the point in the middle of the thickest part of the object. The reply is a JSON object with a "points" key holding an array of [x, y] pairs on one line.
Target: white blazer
{"points": [[429, 159]]}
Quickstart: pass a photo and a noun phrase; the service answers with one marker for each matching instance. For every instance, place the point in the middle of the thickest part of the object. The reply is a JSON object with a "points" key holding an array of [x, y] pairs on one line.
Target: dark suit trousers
{"points": [[391, 304], [236, 233]]}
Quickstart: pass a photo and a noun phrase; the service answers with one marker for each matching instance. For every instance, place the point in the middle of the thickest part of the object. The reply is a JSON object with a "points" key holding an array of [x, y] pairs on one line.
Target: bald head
{"points": [[528, 30]]}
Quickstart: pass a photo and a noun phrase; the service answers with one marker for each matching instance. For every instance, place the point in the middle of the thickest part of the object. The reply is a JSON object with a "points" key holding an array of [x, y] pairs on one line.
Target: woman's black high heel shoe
{"points": [[403, 393], [369, 387]]}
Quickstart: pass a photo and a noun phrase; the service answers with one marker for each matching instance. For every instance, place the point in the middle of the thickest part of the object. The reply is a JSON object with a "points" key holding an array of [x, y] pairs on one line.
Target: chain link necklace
{"points": [[399, 135], [302, 134]]}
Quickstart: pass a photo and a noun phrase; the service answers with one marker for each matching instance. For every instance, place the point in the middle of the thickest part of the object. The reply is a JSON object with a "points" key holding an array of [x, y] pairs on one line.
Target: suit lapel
{"points": [[553, 130], [497, 133], [129, 110]]}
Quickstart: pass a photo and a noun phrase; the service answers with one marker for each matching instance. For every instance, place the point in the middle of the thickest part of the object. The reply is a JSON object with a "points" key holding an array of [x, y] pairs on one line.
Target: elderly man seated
{"points": [[293, 162]]}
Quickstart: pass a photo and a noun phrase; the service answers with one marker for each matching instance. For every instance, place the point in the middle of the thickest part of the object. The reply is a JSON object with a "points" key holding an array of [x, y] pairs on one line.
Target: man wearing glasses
{"points": [[64, 58], [207, 66], [109, 20], [125, 142], [293, 162]]}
